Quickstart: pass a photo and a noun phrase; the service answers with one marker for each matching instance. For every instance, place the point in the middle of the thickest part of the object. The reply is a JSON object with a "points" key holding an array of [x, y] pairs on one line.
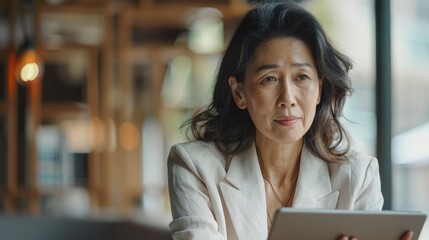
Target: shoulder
{"points": [[195, 146], [361, 163], [196, 154], [361, 170], [357, 164], [196, 149], [358, 179]]}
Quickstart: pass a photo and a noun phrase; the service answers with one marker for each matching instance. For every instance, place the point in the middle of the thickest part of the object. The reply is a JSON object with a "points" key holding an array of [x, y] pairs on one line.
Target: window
{"points": [[352, 31], [410, 152]]}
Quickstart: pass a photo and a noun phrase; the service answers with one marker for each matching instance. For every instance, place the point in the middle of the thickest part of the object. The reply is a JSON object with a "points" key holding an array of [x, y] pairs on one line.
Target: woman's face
{"points": [[281, 90]]}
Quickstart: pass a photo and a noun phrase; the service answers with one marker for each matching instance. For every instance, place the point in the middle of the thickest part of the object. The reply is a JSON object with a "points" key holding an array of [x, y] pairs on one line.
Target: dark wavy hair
{"points": [[231, 128]]}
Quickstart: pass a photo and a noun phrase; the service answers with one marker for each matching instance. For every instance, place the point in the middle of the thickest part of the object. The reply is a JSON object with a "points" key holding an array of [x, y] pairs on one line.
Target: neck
{"points": [[279, 162]]}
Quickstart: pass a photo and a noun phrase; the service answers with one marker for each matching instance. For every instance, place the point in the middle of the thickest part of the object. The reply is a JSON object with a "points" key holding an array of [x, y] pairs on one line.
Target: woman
{"points": [[271, 137]]}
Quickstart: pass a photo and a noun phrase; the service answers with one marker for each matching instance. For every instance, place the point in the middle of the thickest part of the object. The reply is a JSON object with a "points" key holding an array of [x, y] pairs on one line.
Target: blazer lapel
{"points": [[314, 189], [244, 196]]}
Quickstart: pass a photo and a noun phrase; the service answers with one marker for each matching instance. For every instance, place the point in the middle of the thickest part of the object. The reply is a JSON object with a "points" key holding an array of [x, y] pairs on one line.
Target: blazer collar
{"points": [[314, 189], [313, 181], [244, 170], [244, 195]]}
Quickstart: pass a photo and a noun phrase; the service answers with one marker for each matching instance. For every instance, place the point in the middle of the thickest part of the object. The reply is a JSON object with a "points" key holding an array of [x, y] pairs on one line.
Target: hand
{"points": [[407, 236], [353, 238]]}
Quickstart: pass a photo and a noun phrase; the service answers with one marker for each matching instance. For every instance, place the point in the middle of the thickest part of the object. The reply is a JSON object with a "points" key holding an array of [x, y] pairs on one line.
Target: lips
{"points": [[287, 121]]}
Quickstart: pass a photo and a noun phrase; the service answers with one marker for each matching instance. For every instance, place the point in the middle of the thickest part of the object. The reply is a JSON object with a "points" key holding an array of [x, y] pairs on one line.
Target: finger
{"points": [[407, 236], [347, 238]]}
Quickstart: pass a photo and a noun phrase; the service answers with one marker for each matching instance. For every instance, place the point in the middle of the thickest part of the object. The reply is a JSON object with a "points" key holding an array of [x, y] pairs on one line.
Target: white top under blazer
{"points": [[214, 196]]}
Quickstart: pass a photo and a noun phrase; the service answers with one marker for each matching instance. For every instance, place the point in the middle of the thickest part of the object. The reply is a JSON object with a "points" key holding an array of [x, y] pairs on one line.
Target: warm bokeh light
{"points": [[79, 135], [84, 135], [129, 136], [28, 66], [29, 72]]}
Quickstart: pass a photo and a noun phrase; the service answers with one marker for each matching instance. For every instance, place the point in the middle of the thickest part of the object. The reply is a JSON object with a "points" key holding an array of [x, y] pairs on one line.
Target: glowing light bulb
{"points": [[29, 72]]}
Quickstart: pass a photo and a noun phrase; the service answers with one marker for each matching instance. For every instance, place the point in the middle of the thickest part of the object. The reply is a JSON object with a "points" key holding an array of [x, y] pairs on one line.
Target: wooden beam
{"points": [[11, 113]]}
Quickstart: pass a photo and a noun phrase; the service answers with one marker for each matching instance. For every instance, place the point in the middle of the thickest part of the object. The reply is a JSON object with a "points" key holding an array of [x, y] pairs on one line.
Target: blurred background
{"points": [[93, 94]]}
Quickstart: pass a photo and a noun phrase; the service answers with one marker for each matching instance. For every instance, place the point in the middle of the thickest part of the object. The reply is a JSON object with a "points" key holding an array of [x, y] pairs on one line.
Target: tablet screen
{"points": [[294, 224]]}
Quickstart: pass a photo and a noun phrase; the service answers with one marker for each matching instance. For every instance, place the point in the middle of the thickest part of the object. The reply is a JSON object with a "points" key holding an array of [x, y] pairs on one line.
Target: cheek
{"points": [[313, 95], [310, 103], [259, 106], [260, 102]]}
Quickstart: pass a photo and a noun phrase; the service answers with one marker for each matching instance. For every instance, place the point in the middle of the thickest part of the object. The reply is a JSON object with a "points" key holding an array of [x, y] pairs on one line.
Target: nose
{"points": [[286, 96]]}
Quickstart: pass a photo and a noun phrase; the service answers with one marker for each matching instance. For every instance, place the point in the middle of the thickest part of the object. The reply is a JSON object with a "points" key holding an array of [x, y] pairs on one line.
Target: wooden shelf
{"points": [[64, 110], [75, 8], [177, 16], [111, 90]]}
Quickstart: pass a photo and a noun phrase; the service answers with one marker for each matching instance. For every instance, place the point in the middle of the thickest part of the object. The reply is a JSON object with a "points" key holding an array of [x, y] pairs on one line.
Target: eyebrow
{"points": [[303, 64], [266, 66], [273, 66]]}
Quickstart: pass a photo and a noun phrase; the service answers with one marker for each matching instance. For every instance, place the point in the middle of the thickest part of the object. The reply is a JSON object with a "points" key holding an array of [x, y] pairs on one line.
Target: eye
{"points": [[302, 77], [269, 79]]}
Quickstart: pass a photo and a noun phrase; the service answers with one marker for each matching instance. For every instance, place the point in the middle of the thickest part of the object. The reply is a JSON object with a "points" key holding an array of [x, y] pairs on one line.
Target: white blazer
{"points": [[214, 196]]}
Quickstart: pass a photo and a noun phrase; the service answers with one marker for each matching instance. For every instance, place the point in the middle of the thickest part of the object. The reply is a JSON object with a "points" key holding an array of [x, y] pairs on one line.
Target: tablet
{"points": [[294, 224]]}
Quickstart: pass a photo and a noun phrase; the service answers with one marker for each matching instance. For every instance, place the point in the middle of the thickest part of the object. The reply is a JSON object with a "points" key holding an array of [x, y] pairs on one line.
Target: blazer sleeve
{"points": [[191, 207], [369, 196]]}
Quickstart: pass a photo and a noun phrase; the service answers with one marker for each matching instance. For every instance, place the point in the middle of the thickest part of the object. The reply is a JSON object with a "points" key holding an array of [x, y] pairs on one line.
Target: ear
{"points": [[237, 92], [320, 89]]}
